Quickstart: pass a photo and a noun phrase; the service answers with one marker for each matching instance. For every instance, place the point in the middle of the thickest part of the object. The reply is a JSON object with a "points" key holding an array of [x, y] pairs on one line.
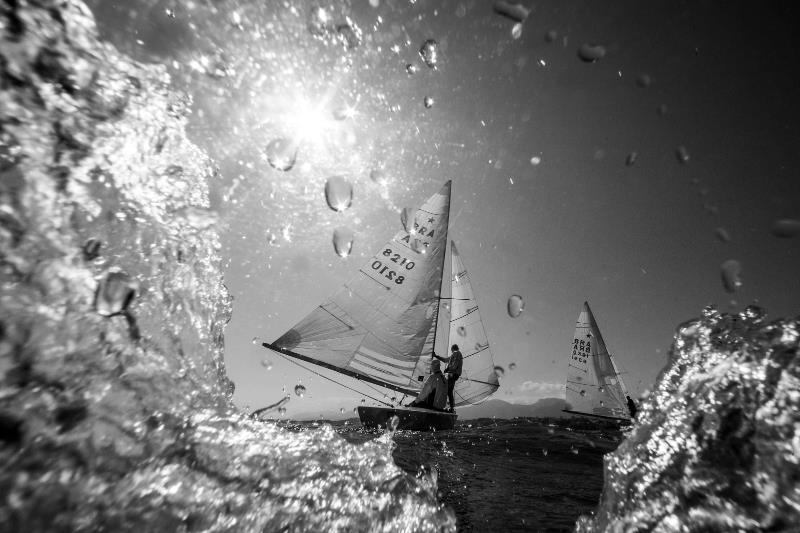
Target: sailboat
{"points": [[383, 325], [594, 385]]}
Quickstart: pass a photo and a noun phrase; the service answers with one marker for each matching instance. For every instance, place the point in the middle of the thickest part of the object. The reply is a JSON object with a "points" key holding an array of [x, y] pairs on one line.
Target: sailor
{"points": [[452, 371], [631, 407], [434, 392]]}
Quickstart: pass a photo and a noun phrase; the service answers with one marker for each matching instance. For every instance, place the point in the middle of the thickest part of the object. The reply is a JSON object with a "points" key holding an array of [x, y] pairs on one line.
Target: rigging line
{"points": [[333, 380]]}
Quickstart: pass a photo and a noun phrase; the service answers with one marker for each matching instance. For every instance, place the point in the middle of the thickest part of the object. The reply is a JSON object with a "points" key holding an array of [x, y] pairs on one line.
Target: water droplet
{"points": [[363, 400], [786, 228], [256, 340], [281, 410], [512, 366], [411, 69], [600, 389], [682, 154], [342, 241], [550, 36], [535, 160], [429, 52], [730, 271], [266, 363], [349, 35], [516, 30], [341, 410], [428, 102], [515, 306], [602, 403], [499, 371], [643, 80], [590, 53], [722, 234], [631, 159], [378, 176], [374, 3], [114, 294], [516, 12], [407, 219], [544, 450], [462, 331], [418, 246], [583, 393], [299, 390], [281, 154], [394, 399], [338, 193], [91, 249], [392, 423], [573, 450]]}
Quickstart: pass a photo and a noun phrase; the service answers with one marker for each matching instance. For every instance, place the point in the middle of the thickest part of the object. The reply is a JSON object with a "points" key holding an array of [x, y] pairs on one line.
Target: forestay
{"points": [[378, 325], [594, 386]]}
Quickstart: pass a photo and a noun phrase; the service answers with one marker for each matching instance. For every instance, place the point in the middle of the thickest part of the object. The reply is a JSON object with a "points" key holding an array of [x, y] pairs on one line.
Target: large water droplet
{"points": [[341, 410], [281, 154], [91, 249], [535, 160], [499, 371], [730, 271], [786, 228], [428, 102], [378, 176], [682, 154], [722, 234], [590, 53], [114, 294], [338, 193], [299, 390], [512, 366], [429, 52], [631, 159], [462, 331], [516, 30], [515, 305], [342, 241], [392, 423], [514, 11]]}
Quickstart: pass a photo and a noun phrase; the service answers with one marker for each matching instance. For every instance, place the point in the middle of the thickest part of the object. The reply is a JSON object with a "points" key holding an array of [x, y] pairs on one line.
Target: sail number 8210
{"points": [[386, 269]]}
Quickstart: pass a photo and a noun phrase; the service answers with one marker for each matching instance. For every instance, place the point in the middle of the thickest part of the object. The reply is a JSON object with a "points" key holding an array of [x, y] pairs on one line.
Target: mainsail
{"points": [[478, 378], [379, 324], [594, 386]]}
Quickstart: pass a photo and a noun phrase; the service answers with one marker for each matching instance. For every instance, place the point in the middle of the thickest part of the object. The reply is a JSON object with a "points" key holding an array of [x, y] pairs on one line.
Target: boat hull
{"points": [[411, 418]]}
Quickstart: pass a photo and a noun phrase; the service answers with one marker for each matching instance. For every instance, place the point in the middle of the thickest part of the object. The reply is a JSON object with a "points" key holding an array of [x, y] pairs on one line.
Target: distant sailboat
{"points": [[383, 325], [594, 385]]}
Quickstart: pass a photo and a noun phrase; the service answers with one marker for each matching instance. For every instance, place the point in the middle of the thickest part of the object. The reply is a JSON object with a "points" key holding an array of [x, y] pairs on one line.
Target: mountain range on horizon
{"points": [[493, 408]]}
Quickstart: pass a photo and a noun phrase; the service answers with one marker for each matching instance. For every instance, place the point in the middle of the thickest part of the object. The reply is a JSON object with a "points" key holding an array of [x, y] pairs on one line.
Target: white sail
{"points": [[478, 378], [379, 324], [594, 387]]}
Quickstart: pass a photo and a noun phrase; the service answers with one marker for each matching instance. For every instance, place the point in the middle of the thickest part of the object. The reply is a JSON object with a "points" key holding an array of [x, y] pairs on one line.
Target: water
{"points": [[115, 405]]}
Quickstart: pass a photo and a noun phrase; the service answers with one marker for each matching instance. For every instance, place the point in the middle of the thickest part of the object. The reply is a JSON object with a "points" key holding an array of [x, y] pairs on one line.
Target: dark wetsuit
{"points": [[453, 371]]}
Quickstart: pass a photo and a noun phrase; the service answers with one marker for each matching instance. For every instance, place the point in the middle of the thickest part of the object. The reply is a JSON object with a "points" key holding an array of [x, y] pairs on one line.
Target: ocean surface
{"points": [[509, 475], [116, 409]]}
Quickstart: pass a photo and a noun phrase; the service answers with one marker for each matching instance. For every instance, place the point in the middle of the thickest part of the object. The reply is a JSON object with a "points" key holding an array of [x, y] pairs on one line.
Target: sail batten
{"points": [[593, 385]]}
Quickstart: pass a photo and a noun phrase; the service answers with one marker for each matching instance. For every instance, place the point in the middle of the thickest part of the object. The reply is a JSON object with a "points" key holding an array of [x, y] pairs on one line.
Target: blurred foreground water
{"points": [[115, 410]]}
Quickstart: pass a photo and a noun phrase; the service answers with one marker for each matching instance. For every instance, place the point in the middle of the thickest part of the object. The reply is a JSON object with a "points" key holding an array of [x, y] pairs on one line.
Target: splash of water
{"points": [[124, 416], [709, 450]]}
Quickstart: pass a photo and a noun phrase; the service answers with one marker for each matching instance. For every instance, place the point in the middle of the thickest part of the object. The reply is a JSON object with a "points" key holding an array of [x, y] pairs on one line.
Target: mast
{"points": [[441, 281]]}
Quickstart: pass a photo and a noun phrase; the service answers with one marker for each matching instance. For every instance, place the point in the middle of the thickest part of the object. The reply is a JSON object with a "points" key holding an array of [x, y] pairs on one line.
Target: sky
{"points": [[701, 95]]}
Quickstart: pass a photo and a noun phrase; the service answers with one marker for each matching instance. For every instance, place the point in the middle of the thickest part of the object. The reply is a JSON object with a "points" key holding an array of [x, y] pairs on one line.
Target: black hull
{"points": [[411, 418]]}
